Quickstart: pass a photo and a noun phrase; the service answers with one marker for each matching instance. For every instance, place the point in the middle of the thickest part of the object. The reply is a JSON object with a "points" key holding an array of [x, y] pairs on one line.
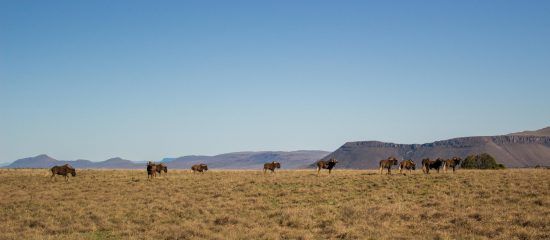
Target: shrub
{"points": [[481, 161]]}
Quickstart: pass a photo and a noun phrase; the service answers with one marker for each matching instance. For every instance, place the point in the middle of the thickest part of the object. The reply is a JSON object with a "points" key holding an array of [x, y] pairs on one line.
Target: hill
{"points": [[238, 160], [514, 150], [545, 132], [45, 161], [250, 160]]}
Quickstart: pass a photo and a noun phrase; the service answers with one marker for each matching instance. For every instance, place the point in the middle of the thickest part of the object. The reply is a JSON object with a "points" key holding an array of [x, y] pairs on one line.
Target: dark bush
{"points": [[481, 161]]}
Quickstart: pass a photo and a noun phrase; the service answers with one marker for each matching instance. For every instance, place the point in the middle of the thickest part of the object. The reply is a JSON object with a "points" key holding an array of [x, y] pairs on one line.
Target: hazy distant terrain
{"points": [[525, 149], [239, 160], [45, 161], [250, 160]]}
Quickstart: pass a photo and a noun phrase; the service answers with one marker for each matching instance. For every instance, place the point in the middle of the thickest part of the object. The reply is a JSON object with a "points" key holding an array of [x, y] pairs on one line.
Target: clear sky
{"points": [[145, 80]]}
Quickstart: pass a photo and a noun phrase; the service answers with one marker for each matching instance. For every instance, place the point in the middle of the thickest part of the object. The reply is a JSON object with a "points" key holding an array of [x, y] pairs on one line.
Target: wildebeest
{"points": [[453, 163], [199, 168], [63, 171], [161, 167], [326, 165], [387, 163], [407, 164], [428, 164], [271, 166], [151, 170]]}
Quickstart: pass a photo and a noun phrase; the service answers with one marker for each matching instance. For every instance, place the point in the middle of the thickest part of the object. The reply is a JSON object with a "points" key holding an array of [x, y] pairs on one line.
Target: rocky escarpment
{"points": [[510, 150]]}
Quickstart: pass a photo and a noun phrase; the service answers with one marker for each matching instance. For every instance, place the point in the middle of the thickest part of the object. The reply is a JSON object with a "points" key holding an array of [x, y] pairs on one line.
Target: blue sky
{"points": [[149, 79]]}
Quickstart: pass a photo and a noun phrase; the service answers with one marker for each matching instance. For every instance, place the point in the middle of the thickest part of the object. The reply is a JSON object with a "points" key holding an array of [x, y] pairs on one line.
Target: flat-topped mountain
{"points": [[525, 149], [250, 160], [545, 132]]}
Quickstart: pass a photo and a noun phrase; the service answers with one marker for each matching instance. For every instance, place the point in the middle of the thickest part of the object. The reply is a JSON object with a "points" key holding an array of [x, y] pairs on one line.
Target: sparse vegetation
{"points": [[481, 161], [348, 204]]}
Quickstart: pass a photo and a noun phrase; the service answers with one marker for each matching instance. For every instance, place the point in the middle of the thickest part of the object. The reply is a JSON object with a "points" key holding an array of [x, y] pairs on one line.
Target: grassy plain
{"points": [[348, 204]]}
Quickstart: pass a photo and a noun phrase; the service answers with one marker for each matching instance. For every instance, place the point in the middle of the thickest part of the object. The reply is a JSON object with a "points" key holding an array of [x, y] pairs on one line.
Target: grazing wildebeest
{"points": [[161, 167], [407, 164], [326, 165], [271, 166], [199, 168], [453, 163], [151, 170], [63, 171], [428, 164], [387, 163]]}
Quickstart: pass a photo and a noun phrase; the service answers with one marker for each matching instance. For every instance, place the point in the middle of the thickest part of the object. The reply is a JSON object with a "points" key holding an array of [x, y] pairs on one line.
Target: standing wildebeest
{"points": [[453, 163], [161, 167], [387, 163], [428, 164], [63, 170], [407, 164], [271, 166], [151, 170], [326, 165], [199, 168]]}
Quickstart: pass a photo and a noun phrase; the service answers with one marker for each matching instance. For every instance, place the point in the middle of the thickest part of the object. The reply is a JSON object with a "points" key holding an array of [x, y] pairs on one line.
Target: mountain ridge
{"points": [[236, 160], [512, 150], [521, 149]]}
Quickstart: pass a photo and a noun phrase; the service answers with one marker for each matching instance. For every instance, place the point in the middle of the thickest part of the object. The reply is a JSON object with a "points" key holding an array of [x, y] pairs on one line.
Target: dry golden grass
{"points": [[123, 204]]}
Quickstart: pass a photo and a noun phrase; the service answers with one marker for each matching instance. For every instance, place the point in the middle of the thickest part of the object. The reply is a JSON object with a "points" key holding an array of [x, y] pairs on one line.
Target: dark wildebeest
{"points": [[161, 167], [428, 164], [387, 163], [63, 171], [199, 168], [407, 164], [151, 170], [326, 165], [271, 166], [453, 163]]}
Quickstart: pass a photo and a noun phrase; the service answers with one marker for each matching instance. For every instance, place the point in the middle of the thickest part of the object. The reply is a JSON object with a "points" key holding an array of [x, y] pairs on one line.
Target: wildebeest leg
{"points": [[381, 168], [318, 171], [454, 169]]}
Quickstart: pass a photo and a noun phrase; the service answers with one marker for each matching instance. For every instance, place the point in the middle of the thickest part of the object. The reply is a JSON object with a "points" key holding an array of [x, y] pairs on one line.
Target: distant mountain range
{"points": [[45, 161], [250, 160], [238, 160], [523, 149]]}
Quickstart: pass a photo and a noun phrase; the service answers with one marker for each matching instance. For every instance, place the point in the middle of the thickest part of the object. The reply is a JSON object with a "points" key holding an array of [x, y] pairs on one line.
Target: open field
{"points": [[349, 204]]}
